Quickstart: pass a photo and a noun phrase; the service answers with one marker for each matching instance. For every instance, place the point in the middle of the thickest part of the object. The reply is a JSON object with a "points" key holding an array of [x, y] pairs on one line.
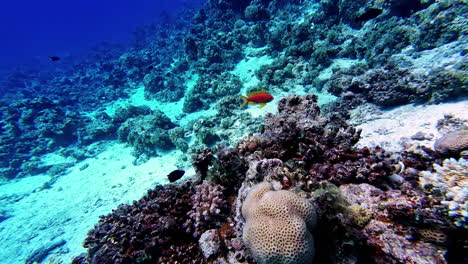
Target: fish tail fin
{"points": [[246, 100]]}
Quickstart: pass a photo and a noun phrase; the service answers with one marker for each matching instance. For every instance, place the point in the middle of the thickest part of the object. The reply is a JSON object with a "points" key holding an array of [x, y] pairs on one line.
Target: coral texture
{"points": [[451, 181], [278, 226], [209, 206], [316, 148], [145, 231], [147, 133], [386, 231], [452, 144]]}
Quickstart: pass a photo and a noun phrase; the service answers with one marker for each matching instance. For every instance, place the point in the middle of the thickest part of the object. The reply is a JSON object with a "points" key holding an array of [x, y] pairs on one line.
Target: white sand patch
{"points": [[246, 68], [137, 98], [72, 205], [387, 128]]}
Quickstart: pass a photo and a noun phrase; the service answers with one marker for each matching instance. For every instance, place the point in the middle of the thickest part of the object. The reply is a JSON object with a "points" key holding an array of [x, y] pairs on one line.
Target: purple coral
{"points": [[296, 148], [453, 143], [144, 231], [316, 147], [209, 206]]}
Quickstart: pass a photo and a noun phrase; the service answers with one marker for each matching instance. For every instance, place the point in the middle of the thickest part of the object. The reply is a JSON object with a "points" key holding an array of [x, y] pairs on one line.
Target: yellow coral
{"points": [[278, 224], [433, 236], [360, 216]]}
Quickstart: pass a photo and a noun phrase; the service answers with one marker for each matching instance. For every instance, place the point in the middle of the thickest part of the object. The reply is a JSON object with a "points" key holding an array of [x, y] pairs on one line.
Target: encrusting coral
{"points": [[278, 226]]}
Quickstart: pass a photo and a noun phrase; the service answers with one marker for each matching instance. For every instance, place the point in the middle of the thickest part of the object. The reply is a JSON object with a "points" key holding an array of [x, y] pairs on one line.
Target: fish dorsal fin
{"points": [[256, 92]]}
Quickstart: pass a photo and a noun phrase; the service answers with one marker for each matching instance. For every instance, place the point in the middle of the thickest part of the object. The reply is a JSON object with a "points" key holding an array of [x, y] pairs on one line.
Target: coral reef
{"points": [[360, 221], [145, 231], [209, 206], [34, 127], [451, 182], [452, 144], [278, 226], [147, 133], [160, 84], [303, 40], [315, 148], [169, 224], [382, 87], [177, 136], [208, 89], [368, 203]]}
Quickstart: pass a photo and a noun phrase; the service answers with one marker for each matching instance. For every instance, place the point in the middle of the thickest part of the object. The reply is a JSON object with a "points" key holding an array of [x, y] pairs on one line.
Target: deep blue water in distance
{"points": [[33, 30]]}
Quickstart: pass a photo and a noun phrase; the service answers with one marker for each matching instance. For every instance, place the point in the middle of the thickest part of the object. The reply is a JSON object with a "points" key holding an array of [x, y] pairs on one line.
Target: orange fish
{"points": [[257, 97]]}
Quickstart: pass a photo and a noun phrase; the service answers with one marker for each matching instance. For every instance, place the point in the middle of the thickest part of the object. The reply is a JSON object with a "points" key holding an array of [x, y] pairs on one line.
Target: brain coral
{"points": [[278, 224]]}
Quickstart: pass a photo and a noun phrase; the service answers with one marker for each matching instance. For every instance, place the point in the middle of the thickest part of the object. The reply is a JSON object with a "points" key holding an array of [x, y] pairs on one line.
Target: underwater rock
{"points": [[122, 114], [177, 136], [210, 243], [452, 144], [100, 127], [41, 253], [147, 133]]}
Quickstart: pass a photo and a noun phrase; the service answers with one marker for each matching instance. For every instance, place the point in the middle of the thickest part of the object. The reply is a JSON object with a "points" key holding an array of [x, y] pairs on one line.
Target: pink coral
{"points": [[209, 205]]}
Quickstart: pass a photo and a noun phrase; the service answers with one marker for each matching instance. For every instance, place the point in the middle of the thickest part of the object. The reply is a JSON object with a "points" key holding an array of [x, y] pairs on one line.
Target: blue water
{"points": [[32, 31], [101, 100]]}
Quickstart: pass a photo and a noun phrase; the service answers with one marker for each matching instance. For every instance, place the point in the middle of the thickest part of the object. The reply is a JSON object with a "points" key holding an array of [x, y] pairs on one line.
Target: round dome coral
{"points": [[278, 225], [452, 143]]}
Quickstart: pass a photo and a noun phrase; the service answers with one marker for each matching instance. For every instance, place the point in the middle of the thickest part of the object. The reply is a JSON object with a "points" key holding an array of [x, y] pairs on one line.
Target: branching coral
{"points": [[451, 181], [209, 206]]}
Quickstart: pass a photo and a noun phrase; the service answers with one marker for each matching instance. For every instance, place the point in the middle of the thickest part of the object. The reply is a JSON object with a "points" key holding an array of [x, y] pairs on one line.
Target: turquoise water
{"points": [[100, 102]]}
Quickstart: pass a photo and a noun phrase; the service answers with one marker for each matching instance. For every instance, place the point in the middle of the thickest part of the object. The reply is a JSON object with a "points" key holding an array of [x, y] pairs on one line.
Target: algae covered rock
{"points": [[146, 134]]}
